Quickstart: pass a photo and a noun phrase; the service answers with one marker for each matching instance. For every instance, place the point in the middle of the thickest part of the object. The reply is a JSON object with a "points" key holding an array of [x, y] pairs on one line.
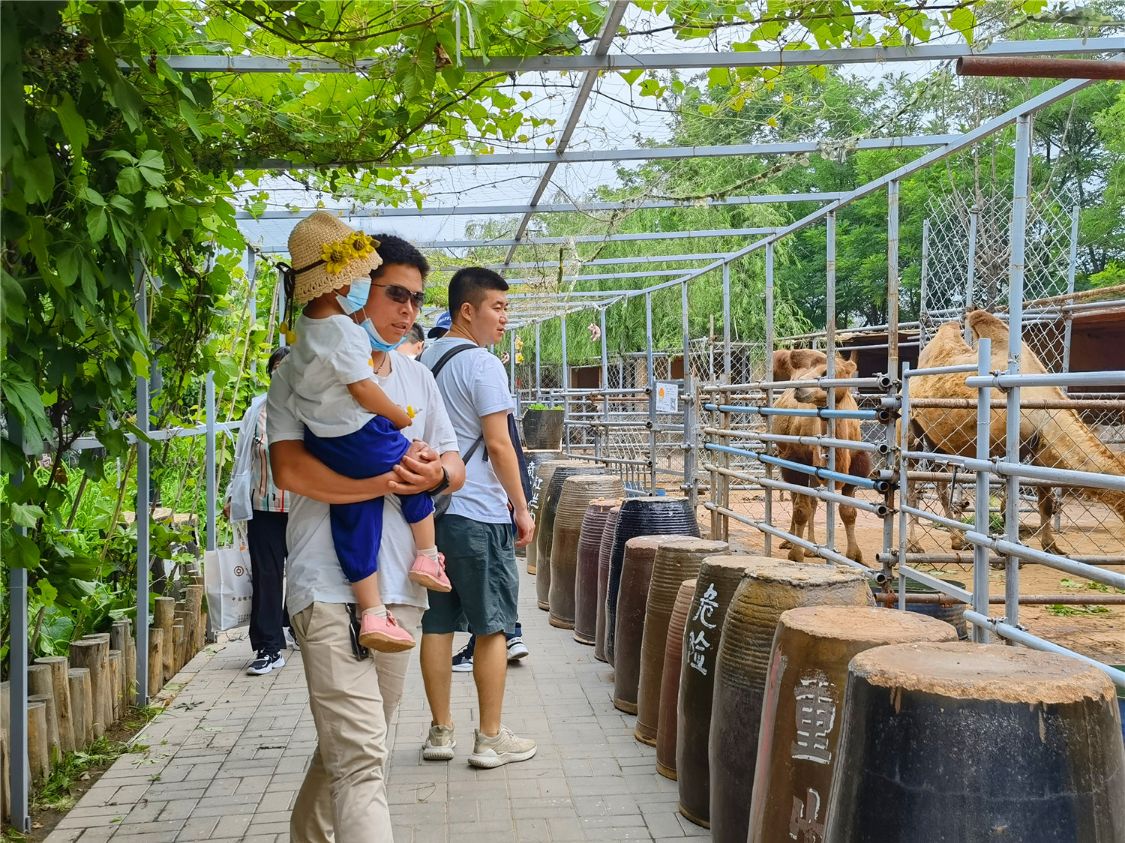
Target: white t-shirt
{"points": [[474, 384], [313, 570], [329, 354]]}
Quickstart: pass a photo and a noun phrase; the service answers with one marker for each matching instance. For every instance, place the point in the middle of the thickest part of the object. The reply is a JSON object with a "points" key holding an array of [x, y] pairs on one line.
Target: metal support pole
{"points": [[19, 773], [903, 523], [604, 433], [538, 365], [767, 538], [892, 364], [925, 277], [281, 303], [1016, 267], [650, 378], [727, 318], [144, 518], [210, 459], [830, 370], [565, 379], [1071, 268], [982, 504], [688, 397], [512, 366], [971, 269]]}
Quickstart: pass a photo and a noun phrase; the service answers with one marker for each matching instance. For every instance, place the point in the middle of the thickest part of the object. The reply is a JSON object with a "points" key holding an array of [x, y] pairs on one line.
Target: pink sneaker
{"points": [[426, 572], [384, 634]]}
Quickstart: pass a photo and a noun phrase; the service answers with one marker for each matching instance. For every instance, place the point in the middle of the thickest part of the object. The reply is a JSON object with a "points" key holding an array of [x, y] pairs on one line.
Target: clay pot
{"points": [[675, 561], [586, 581], [670, 682], [534, 460], [544, 473], [605, 551], [543, 428], [545, 527], [740, 674], [718, 580], [577, 493], [642, 517], [636, 572], [804, 698], [961, 741]]}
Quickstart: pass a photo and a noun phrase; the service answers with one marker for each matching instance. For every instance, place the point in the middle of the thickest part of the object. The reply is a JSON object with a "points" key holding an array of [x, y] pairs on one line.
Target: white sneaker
{"points": [[294, 644], [439, 744], [516, 649], [265, 662], [500, 749]]}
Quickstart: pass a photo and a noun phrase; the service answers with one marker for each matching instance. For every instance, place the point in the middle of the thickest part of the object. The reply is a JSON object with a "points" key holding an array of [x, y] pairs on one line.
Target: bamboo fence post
{"points": [[99, 682], [39, 685], [81, 705], [163, 617], [60, 688], [183, 615], [155, 660], [38, 750], [178, 642], [116, 672]]}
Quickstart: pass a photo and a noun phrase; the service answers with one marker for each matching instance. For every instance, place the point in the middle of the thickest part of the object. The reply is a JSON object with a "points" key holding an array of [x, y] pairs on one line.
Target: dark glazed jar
{"points": [[543, 474], [740, 674], [675, 561], [535, 460], [971, 742], [804, 698], [586, 580], [605, 551], [577, 492], [636, 572], [670, 682], [642, 517]]}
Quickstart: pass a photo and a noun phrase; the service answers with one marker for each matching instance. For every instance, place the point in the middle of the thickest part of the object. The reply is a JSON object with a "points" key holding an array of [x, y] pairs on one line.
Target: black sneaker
{"points": [[265, 663], [463, 661]]}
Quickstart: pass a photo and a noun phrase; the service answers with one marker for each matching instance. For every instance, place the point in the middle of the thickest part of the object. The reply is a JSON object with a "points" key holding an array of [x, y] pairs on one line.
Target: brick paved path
{"points": [[224, 762]]}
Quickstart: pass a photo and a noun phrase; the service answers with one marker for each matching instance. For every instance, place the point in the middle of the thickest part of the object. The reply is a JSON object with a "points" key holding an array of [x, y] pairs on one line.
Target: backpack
{"points": [[442, 500]]}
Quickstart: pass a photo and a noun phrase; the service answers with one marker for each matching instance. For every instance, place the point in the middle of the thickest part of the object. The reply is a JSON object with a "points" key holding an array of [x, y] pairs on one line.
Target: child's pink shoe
{"points": [[430, 573], [384, 634]]}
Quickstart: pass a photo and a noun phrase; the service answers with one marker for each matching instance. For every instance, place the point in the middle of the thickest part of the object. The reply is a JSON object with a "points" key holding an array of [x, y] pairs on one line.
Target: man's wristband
{"points": [[443, 485]]}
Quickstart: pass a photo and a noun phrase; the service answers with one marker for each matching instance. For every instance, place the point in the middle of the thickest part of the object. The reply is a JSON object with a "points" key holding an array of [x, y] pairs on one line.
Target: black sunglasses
{"points": [[401, 295]]}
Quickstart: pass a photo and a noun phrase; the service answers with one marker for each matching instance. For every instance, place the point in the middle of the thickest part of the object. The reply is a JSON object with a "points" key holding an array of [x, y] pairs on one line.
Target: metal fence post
{"points": [[903, 524], [922, 283], [971, 270], [1016, 268], [602, 442], [893, 454], [1071, 268], [688, 397], [19, 773], [982, 504], [538, 367], [565, 381], [830, 371], [767, 539], [512, 368], [210, 460], [650, 377], [143, 503], [727, 327]]}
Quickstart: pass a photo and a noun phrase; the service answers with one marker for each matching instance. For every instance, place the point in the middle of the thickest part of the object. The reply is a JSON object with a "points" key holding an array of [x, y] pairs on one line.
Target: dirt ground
{"points": [[1098, 632]]}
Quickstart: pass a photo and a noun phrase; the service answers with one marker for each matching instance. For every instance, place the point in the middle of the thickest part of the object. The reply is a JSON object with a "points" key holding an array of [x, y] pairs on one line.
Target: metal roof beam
{"points": [[660, 61], [605, 40], [642, 153], [655, 273], [700, 256]]}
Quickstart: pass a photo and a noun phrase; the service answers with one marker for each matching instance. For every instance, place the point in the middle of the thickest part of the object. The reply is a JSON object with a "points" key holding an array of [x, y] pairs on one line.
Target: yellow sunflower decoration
{"points": [[336, 256]]}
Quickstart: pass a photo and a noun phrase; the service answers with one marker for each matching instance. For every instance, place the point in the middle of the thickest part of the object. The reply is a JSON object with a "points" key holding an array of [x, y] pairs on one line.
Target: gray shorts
{"points": [[480, 560]]}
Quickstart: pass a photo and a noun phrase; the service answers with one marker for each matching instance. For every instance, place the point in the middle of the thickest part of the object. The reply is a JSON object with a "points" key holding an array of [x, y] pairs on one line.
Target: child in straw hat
{"points": [[350, 423]]}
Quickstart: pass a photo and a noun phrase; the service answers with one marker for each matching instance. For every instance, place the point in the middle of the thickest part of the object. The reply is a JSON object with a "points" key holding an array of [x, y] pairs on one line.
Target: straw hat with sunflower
{"points": [[327, 254]]}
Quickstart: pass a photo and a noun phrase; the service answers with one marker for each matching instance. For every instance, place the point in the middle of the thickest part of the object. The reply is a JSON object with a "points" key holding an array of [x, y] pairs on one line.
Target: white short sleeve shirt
{"points": [[329, 354]]}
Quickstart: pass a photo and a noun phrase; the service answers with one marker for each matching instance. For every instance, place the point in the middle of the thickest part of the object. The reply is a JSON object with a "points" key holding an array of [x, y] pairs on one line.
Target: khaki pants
{"points": [[343, 797]]}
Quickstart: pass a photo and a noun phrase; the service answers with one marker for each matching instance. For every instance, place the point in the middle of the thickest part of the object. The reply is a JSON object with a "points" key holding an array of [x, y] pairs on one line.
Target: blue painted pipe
{"points": [[811, 412], [821, 473]]}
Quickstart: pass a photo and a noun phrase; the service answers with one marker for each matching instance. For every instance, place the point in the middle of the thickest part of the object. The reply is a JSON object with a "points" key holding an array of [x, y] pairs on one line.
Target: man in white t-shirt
{"points": [[476, 532], [343, 796]]}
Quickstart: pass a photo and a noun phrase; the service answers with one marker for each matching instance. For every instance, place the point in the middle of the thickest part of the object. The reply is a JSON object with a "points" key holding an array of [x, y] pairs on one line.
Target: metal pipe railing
{"points": [[824, 441], [802, 412], [812, 471], [807, 491]]}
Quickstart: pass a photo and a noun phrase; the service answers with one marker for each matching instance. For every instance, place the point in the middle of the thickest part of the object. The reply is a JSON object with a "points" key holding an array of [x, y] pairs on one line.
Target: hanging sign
{"points": [[667, 397]]}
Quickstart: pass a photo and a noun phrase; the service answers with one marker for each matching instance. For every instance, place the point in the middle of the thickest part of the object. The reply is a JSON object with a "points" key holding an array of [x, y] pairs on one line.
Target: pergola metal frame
{"points": [[600, 60]]}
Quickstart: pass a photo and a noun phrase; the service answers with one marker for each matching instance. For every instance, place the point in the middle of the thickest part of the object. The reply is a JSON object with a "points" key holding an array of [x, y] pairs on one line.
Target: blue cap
{"points": [[443, 324]]}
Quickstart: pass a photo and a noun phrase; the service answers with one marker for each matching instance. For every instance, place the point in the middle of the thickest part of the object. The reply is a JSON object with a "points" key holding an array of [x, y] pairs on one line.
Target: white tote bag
{"points": [[226, 573]]}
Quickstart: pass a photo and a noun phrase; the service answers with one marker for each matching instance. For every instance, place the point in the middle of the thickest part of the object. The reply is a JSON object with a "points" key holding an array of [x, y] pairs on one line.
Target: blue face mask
{"points": [[355, 301]]}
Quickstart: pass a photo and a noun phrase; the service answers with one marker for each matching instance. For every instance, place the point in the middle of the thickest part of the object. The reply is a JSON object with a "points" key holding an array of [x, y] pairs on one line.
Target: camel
{"points": [[1052, 438], [806, 364]]}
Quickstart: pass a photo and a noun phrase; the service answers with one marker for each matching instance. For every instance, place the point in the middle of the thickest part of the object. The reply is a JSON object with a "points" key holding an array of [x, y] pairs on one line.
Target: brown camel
{"points": [[857, 463], [1052, 438]]}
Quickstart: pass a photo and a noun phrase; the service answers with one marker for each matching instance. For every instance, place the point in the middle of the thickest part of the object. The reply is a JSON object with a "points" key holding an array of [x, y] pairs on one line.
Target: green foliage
{"points": [[1065, 611]]}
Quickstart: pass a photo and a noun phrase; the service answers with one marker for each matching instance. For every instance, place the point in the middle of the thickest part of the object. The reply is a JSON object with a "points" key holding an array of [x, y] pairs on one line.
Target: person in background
{"points": [[253, 499], [415, 342], [517, 649]]}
